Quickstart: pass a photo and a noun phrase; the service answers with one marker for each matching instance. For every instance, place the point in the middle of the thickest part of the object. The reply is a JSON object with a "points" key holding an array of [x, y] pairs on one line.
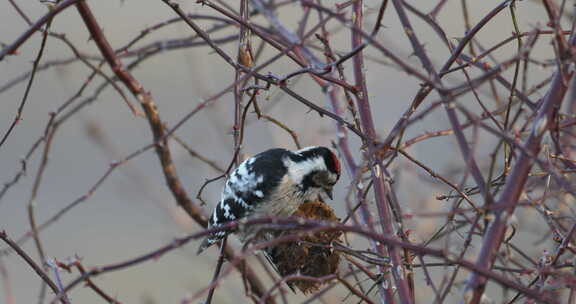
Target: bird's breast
{"points": [[283, 202]]}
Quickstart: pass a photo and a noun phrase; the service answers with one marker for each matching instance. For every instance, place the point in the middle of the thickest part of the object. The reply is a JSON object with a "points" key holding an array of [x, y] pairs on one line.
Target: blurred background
{"points": [[133, 212]]}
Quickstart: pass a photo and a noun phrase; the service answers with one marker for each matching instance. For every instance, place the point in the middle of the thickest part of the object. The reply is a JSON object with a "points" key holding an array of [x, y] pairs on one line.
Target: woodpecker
{"points": [[273, 183]]}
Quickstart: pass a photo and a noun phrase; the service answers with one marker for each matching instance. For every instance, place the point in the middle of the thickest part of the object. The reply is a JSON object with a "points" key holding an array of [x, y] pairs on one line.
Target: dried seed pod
{"points": [[303, 258]]}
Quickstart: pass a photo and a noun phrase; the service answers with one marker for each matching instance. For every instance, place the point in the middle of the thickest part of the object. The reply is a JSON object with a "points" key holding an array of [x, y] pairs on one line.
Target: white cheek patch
{"points": [[297, 170]]}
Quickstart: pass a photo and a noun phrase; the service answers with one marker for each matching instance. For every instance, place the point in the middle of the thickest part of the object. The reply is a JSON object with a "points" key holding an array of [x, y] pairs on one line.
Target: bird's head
{"points": [[318, 168]]}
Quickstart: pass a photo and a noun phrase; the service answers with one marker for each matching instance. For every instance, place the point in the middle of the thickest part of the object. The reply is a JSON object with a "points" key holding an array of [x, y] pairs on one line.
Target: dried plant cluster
{"points": [[310, 255], [454, 121]]}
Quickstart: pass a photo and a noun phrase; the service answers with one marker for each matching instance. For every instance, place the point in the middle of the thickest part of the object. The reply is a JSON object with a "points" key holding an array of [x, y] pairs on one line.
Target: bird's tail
{"points": [[209, 241]]}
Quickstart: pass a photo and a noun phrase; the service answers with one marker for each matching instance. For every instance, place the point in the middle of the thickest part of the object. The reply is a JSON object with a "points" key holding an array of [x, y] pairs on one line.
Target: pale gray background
{"points": [[133, 211]]}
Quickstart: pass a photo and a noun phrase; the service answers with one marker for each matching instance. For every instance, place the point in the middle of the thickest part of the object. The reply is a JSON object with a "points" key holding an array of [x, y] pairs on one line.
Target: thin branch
{"points": [[39, 271]]}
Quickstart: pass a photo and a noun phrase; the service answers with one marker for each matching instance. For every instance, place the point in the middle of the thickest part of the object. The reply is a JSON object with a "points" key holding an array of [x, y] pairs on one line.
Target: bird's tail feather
{"points": [[207, 242]]}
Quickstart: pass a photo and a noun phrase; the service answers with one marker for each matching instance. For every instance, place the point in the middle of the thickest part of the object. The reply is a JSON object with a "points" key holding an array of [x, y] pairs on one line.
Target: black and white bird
{"points": [[274, 183]]}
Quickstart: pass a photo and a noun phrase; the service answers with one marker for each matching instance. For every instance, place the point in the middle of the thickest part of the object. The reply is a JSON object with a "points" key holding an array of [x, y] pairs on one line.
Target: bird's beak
{"points": [[329, 192]]}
